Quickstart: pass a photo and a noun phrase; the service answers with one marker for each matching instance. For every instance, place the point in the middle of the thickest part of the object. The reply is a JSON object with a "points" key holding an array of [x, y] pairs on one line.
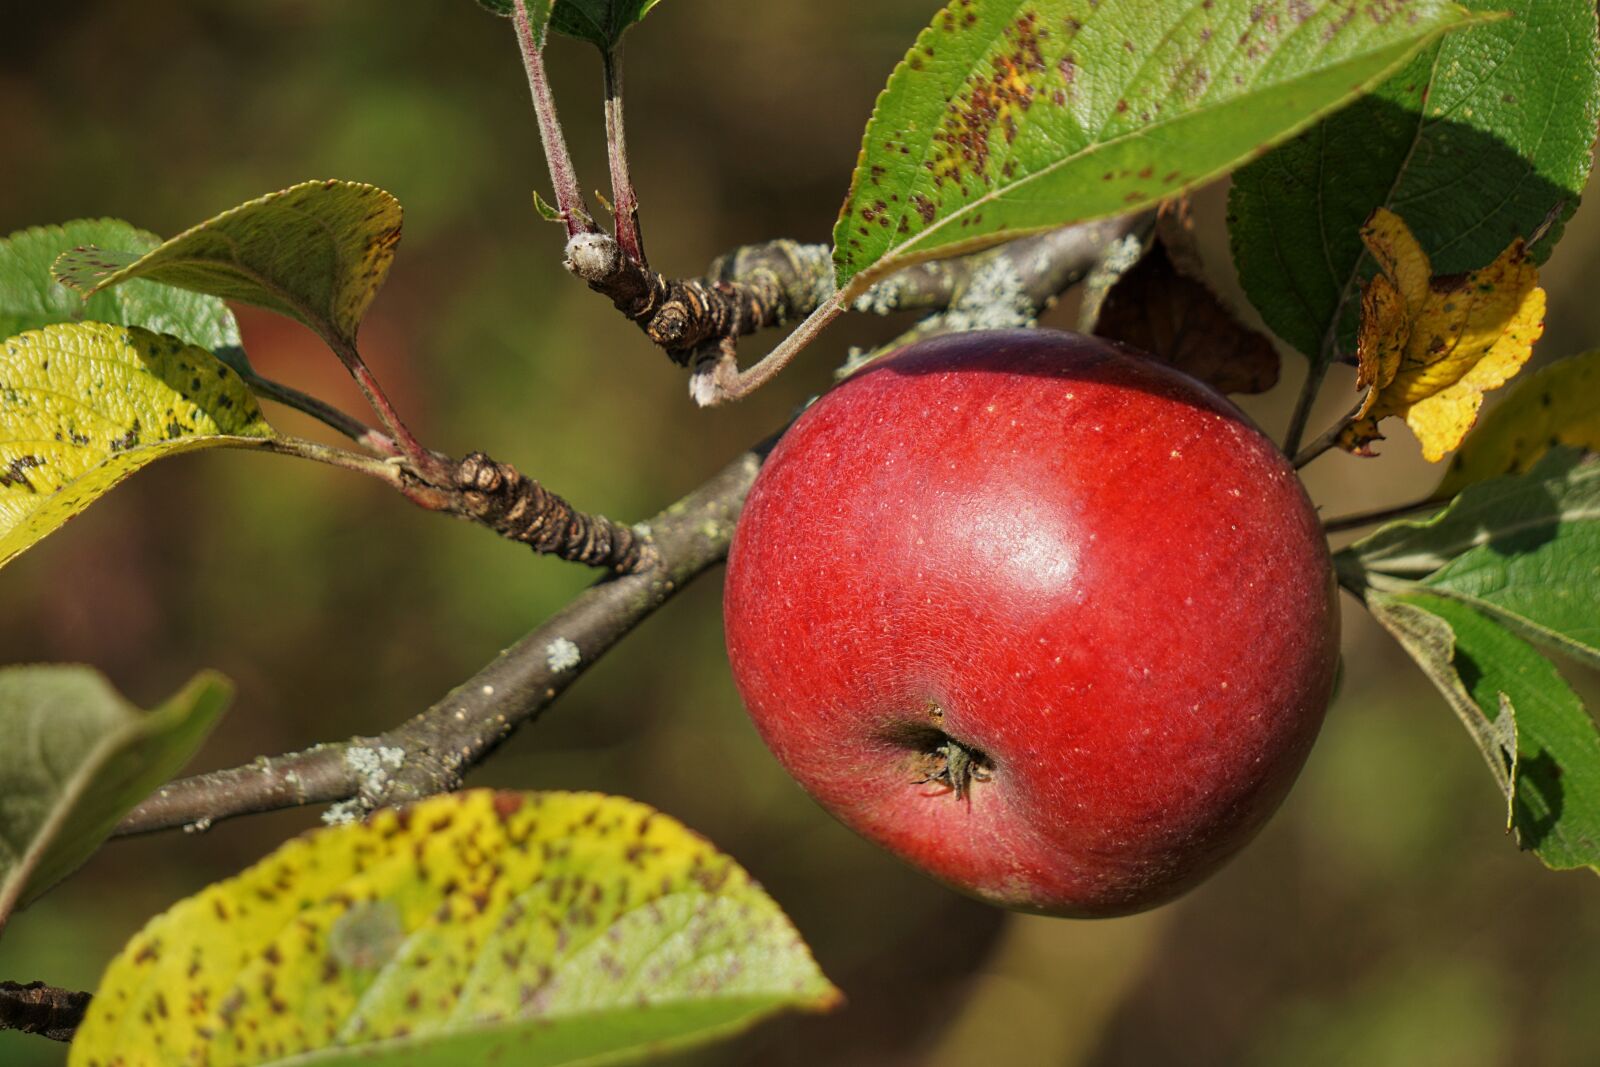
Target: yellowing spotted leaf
{"points": [[1559, 405], [481, 927], [1430, 347], [318, 252], [83, 405]]}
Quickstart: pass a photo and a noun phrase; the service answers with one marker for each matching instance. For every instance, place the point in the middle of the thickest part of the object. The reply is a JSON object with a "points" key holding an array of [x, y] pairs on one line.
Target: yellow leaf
{"points": [[1560, 405], [1429, 347]]}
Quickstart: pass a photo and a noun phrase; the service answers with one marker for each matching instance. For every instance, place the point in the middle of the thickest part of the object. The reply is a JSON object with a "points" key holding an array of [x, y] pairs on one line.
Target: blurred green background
{"points": [[1383, 917]]}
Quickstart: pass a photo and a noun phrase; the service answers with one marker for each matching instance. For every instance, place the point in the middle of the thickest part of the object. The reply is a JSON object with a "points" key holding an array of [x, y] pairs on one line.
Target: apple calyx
{"points": [[941, 759]]}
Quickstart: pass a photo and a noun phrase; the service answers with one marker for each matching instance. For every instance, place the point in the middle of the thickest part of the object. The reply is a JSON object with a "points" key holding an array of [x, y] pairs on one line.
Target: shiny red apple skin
{"points": [[1084, 567]]}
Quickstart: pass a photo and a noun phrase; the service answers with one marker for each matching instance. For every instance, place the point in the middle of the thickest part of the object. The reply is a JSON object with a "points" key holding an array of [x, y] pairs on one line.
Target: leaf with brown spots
{"points": [[31, 297], [78, 757], [1009, 117], [82, 406], [1483, 136], [1560, 405], [1431, 346], [1178, 320], [317, 252], [544, 928]]}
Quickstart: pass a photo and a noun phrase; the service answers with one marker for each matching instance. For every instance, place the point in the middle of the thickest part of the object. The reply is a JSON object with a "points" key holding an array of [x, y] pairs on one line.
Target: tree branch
{"points": [[433, 751], [37, 1008]]}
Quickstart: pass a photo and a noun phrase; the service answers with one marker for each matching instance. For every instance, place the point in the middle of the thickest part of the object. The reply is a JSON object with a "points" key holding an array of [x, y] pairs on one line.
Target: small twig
{"points": [[40, 1009], [519, 508], [563, 178], [323, 412], [1328, 440], [1372, 518], [429, 465], [1302, 408], [433, 751], [624, 201]]}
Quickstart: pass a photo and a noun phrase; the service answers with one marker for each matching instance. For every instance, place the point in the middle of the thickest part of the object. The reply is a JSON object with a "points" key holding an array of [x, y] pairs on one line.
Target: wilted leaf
{"points": [[479, 927], [83, 406], [1430, 346], [1536, 734], [30, 296], [77, 758], [1013, 116], [1559, 405], [318, 252], [1178, 319], [1475, 141]]}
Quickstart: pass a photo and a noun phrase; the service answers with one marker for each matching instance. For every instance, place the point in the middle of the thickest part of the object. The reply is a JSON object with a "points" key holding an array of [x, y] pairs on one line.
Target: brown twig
{"points": [[519, 508], [433, 751], [40, 1009]]}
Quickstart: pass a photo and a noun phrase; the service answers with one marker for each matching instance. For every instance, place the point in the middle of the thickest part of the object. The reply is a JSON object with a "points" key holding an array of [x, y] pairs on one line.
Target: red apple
{"points": [[1051, 621]]}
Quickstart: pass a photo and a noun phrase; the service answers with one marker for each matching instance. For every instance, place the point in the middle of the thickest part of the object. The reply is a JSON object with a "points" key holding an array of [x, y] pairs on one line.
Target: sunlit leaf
{"points": [[30, 295], [318, 252], [1559, 405], [1012, 116], [1509, 696], [77, 758], [1431, 346], [1477, 140], [480, 927], [82, 406]]}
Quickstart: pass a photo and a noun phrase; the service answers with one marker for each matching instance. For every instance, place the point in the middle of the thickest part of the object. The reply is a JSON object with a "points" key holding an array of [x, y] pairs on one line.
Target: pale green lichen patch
{"points": [[439, 932], [84, 405]]}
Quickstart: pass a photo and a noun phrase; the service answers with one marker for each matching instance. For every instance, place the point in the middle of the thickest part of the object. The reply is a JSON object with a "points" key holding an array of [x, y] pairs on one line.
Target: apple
{"points": [[1050, 621]]}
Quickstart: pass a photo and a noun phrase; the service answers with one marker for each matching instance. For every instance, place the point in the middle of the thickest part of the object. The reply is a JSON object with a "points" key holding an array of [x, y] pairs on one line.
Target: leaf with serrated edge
{"points": [[1559, 405], [317, 252], [82, 406], [1542, 580], [547, 927], [600, 22], [1475, 141], [1013, 116], [1512, 510], [1430, 347], [78, 758], [31, 297], [1555, 808]]}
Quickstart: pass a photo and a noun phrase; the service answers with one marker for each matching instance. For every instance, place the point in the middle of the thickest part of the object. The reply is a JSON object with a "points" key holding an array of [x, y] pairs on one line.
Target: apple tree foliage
{"points": [[1380, 152]]}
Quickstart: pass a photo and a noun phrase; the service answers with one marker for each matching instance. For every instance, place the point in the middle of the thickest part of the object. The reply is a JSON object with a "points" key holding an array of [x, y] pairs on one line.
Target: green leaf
{"points": [[600, 22], [1555, 802], [1543, 579], [477, 927], [1560, 405], [31, 297], [1476, 141], [317, 252], [84, 405], [1013, 116], [1509, 516], [78, 757]]}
